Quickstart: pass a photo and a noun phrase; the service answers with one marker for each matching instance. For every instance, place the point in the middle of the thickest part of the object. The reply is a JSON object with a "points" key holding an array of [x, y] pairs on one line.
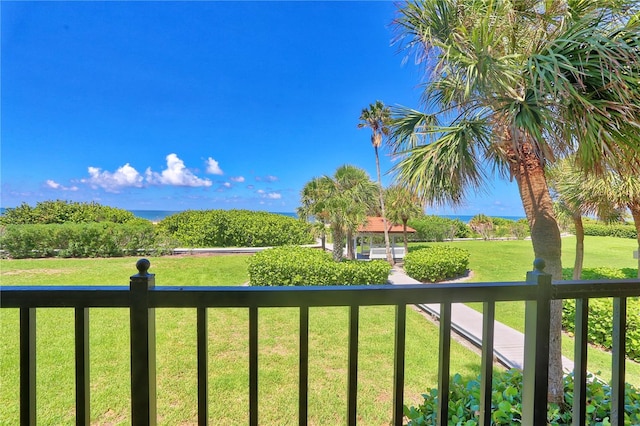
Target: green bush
{"points": [[506, 403], [293, 266], [437, 228], [600, 322], [104, 239], [59, 211], [436, 263], [234, 228], [616, 230]]}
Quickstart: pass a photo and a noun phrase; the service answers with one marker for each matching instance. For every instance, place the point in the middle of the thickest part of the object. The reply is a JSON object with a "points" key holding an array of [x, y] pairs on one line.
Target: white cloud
{"points": [[274, 195], [260, 191], [55, 185], [125, 176], [238, 179], [268, 178], [176, 174], [213, 167], [227, 185]]}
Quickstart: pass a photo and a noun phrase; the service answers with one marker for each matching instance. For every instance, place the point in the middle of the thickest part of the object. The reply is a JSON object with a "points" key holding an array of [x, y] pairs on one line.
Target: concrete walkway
{"points": [[508, 343]]}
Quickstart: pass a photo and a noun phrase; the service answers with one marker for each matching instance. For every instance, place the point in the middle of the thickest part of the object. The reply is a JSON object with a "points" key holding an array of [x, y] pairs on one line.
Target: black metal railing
{"points": [[143, 298]]}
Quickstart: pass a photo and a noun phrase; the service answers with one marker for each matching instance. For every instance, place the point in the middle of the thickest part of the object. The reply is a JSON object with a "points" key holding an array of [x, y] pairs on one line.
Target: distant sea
{"points": [[158, 215]]}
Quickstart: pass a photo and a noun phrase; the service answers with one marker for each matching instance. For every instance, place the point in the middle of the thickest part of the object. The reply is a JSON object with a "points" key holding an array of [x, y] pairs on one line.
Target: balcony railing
{"points": [[143, 298]]}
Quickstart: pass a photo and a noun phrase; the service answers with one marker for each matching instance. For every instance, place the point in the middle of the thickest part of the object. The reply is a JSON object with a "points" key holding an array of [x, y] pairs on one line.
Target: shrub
{"points": [[437, 228], [600, 322], [293, 265], [234, 228], [436, 263], [59, 211], [83, 240], [506, 403], [615, 230]]}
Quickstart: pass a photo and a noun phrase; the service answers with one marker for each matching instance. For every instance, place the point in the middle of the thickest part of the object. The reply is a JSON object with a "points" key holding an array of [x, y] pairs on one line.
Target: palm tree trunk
{"points": [[384, 216], [404, 236], [338, 242], [349, 239], [635, 213], [577, 265], [545, 236]]}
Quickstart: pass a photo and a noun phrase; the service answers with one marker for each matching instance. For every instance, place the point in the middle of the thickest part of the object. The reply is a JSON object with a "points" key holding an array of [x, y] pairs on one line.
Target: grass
{"points": [[228, 351], [509, 261]]}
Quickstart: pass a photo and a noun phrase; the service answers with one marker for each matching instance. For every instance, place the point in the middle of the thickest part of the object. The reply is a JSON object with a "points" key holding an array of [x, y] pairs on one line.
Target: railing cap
{"points": [[143, 266]]}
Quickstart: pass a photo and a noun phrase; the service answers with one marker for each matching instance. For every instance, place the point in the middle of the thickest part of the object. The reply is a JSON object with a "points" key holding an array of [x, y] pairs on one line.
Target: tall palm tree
{"points": [[512, 86], [402, 206], [377, 118]]}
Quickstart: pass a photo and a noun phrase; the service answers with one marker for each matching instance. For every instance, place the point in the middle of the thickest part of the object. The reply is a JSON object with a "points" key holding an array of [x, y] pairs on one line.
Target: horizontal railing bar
{"points": [[236, 296], [591, 289]]}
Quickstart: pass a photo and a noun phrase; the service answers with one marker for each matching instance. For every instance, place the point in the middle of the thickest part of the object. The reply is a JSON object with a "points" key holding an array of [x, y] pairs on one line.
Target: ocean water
{"points": [[158, 215]]}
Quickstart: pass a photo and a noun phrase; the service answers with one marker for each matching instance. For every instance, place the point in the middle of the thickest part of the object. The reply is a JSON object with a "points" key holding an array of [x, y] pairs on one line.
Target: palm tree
{"points": [[312, 197], [377, 118], [516, 85], [343, 201], [402, 206], [575, 196]]}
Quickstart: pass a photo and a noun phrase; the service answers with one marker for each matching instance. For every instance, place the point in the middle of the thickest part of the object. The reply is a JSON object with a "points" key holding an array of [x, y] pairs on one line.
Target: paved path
{"points": [[508, 343]]}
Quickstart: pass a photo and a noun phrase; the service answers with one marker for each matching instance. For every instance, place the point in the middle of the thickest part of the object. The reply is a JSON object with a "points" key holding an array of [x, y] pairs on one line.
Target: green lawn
{"points": [[510, 260], [228, 363]]}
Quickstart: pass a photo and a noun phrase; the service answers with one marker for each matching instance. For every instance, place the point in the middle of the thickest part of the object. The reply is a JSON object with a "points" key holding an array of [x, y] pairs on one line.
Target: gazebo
{"points": [[375, 228]]}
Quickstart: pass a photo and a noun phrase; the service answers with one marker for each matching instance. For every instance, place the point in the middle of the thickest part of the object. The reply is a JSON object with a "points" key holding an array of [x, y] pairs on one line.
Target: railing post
{"points": [[143, 347], [536, 348]]}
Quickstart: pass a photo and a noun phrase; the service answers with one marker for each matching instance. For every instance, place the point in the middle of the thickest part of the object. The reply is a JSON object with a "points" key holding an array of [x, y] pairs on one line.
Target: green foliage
{"points": [[614, 230], [437, 228], [506, 403], [436, 263], [234, 228], [104, 239], [292, 265], [59, 211]]}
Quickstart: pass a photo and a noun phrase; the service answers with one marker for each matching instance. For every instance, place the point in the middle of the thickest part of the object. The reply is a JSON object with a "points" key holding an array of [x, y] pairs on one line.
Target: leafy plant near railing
{"points": [[103, 239], [600, 321], [292, 266], [506, 403], [436, 263], [234, 228]]}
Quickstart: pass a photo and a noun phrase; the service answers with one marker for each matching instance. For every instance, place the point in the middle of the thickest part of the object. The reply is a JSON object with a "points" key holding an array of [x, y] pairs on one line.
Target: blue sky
{"points": [[197, 105]]}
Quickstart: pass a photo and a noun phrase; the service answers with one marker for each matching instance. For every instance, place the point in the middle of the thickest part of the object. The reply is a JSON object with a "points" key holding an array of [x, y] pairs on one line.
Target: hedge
{"points": [[60, 211], [234, 228], [294, 266], [617, 230], [104, 239], [437, 228], [436, 263]]}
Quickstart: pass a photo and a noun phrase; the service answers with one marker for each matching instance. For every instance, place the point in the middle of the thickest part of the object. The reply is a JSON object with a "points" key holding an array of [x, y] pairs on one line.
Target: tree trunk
{"points": [[577, 265], [349, 239], [635, 213], [404, 236], [387, 245], [545, 236], [338, 242]]}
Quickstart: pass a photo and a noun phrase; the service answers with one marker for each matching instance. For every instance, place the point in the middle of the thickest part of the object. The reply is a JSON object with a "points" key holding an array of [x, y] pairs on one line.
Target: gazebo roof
{"points": [[375, 225]]}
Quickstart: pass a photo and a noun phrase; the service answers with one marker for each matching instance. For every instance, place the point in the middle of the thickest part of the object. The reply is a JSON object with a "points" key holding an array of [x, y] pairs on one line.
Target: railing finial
{"points": [[143, 266], [539, 264]]}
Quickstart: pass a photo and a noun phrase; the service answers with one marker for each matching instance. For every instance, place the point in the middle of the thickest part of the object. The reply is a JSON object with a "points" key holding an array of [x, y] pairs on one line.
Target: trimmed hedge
{"points": [[60, 211], [506, 403], [235, 228], [436, 263], [104, 239], [293, 266], [617, 230]]}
